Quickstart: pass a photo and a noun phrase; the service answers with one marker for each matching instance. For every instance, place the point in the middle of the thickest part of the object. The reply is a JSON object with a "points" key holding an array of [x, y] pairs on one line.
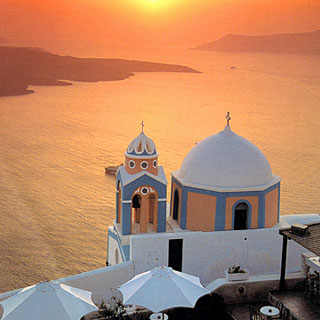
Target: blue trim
{"points": [[115, 236], [272, 187], [118, 183], [262, 210], [183, 203], [144, 153], [125, 218], [128, 190], [162, 206], [171, 201], [220, 219], [118, 177], [279, 203], [248, 217], [117, 207], [262, 218], [127, 193], [117, 200], [108, 249], [226, 194], [184, 208], [126, 251], [220, 214]]}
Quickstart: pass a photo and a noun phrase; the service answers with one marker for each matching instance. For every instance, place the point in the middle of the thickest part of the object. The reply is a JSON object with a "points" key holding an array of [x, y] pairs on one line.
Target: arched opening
{"points": [[144, 210], [175, 212], [241, 213], [136, 205]]}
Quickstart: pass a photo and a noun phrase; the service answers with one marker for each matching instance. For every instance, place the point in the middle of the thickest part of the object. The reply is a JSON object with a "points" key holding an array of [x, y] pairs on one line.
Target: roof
{"points": [[226, 160], [141, 146], [127, 178], [310, 240]]}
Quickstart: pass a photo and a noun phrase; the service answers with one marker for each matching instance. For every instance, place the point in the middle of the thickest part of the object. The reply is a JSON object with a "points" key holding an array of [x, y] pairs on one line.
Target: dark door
{"points": [[241, 216], [175, 254]]}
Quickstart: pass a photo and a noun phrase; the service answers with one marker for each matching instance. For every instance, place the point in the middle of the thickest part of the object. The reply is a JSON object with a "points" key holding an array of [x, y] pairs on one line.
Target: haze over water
{"points": [[55, 200]]}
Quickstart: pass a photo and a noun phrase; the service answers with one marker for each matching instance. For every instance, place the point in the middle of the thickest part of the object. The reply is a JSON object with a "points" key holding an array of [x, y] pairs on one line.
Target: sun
{"points": [[154, 4]]}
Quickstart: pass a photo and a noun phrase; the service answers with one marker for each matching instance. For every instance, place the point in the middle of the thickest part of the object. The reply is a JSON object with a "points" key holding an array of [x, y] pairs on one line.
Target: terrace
{"points": [[295, 301]]}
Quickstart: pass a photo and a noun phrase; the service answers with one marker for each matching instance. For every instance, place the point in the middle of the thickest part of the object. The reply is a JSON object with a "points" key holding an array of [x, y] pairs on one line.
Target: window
{"points": [[132, 164], [144, 165], [175, 205], [144, 190], [154, 163]]}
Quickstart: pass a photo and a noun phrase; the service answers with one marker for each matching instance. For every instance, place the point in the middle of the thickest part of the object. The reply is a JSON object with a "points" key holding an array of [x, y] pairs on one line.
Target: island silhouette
{"points": [[306, 43], [22, 66]]}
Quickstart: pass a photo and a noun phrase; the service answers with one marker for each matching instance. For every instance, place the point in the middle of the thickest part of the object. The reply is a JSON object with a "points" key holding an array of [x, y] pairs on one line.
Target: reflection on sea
{"points": [[55, 200]]}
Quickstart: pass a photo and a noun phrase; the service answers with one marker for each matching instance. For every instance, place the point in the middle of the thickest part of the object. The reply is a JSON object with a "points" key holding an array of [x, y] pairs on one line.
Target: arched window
{"points": [[136, 201], [175, 205], [241, 213], [136, 205]]}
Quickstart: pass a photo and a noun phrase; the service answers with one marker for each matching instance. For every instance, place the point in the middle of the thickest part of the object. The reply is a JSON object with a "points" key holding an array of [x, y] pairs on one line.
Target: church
{"points": [[225, 183], [223, 211]]}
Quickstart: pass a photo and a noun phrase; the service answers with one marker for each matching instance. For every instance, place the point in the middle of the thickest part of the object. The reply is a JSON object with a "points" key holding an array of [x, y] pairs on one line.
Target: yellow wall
{"points": [[271, 208], [201, 211], [137, 167], [230, 201], [174, 187]]}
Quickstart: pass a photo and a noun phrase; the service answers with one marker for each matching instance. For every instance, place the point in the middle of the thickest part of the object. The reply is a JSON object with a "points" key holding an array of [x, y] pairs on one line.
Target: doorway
{"points": [[241, 212], [175, 254]]}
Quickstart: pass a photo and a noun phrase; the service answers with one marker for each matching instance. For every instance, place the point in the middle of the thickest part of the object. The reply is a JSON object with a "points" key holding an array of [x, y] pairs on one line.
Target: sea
{"points": [[56, 201]]}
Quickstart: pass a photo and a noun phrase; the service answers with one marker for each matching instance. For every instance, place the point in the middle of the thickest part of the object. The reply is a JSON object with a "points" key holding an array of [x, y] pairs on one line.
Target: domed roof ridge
{"points": [[141, 146], [226, 160]]}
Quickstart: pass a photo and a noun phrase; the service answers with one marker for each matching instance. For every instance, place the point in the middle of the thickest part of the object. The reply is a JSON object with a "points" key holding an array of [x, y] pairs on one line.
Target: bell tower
{"points": [[141, 189]]}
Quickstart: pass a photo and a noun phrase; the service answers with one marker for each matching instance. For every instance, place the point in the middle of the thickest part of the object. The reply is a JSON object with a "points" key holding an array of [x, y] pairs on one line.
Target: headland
{"points": [[21, 67]]}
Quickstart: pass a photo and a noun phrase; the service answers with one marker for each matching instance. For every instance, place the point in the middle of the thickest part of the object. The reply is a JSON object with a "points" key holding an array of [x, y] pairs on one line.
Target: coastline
{"points": [[21, 67]]}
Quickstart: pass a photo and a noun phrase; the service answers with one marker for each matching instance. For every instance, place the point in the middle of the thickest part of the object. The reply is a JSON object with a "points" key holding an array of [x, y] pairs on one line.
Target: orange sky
{"points": [[103, 23]]}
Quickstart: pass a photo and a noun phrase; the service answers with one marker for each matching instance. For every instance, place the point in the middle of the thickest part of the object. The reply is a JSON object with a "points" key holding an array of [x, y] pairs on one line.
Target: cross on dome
{"points": [[228, 118], [142, 145]]}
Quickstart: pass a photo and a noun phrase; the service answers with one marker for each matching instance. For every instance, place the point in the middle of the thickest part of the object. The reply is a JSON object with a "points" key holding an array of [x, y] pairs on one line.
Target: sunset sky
{"points": [[110, 23]]}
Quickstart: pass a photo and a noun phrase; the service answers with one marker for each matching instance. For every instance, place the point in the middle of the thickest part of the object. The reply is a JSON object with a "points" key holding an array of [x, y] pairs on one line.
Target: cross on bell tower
{"points": [[228, 118], [142, 125]]}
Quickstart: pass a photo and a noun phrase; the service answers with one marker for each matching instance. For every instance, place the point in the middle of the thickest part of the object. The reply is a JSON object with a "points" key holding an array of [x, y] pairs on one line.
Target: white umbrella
{"points": [[48, 300], [162, 288]]}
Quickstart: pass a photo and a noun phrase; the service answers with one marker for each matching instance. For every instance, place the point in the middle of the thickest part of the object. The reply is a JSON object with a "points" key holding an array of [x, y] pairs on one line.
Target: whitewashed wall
{"points": [[208, 254], [113, 247], [102, 282]]}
